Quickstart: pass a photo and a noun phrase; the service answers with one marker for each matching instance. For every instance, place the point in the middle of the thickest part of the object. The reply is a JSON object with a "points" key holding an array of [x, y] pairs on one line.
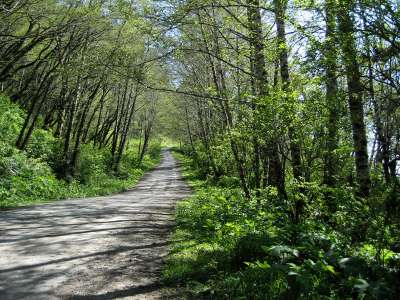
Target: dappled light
{"points": [[92, 248], [199, 149]]}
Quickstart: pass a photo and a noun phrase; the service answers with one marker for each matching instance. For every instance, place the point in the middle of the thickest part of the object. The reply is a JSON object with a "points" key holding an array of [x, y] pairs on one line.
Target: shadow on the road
{"points": [[93, 246], [73, 224], [100, 253], [132, 291], [26, 217], [149, 228], [166, 168]]}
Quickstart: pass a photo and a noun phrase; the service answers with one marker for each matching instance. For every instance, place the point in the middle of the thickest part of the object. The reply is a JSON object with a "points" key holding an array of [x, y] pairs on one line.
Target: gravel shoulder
{"points": [[95, 248]]}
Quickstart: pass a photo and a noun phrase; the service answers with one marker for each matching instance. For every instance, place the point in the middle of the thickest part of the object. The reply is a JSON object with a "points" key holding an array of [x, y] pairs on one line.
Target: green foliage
{"points": [[42, 145], [229, 247], [11, 119], [92, 165], [24, 176], [24, 179], [28, 177]]}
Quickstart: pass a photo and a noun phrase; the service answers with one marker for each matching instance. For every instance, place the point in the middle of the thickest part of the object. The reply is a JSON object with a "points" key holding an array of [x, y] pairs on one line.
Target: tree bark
{"points": [[355, 97], [280, 7], [331, 97]]}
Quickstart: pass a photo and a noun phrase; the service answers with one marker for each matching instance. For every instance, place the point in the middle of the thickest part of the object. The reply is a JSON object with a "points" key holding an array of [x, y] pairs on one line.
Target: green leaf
{"points": [[331, 269], [361, 284]]}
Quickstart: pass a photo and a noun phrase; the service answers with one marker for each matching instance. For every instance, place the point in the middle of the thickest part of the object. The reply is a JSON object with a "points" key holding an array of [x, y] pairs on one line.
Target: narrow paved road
{"points": [[96, 248]]}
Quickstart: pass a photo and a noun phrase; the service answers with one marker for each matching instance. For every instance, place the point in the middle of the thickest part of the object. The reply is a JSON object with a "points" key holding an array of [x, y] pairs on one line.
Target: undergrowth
{"points": [[29, 177], [228, 247]]}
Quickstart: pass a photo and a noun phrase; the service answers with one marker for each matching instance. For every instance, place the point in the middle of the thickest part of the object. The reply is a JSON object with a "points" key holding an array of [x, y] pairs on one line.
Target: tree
{"points": [[355, 95]]}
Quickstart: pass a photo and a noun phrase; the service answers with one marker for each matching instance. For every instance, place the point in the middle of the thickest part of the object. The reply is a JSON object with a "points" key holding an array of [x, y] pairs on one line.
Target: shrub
{"points": [[24, 179], [42, 145], [92, 165], [11, 119]]}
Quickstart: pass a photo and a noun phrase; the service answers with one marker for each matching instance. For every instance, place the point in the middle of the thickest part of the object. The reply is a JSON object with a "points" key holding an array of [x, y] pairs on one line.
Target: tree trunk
{"points": [[259, 80], [355, 90], [295, 151], [125, 130], [332, 101], [219, 82]]}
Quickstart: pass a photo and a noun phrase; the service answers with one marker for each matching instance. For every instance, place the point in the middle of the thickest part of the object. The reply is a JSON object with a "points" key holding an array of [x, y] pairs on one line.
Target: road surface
{"points": [[96, 248]]}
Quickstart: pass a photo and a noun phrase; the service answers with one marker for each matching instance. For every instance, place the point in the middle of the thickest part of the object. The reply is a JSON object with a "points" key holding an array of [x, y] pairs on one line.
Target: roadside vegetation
{"points": [[227, 246], [30, 176], [289, 115]]}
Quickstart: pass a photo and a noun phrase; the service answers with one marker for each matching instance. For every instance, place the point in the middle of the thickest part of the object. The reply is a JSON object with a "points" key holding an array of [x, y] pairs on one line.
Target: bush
{"points": [[92, 165], [154, 149], [24, 179], [42, 145], [11, 119]]}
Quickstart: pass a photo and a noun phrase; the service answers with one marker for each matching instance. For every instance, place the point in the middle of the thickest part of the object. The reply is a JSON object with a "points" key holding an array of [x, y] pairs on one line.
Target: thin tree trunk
{"points": [[96, 133], [125, 131], [34, 119], [189, 131], [355, 91], [219, 82], [259, 79], [280, 14], [332, 101]]}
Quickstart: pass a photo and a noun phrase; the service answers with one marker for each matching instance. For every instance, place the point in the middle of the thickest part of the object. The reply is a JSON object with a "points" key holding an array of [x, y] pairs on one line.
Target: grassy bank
{"points": [[29, 177], [35, 182], [229, 247]]}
